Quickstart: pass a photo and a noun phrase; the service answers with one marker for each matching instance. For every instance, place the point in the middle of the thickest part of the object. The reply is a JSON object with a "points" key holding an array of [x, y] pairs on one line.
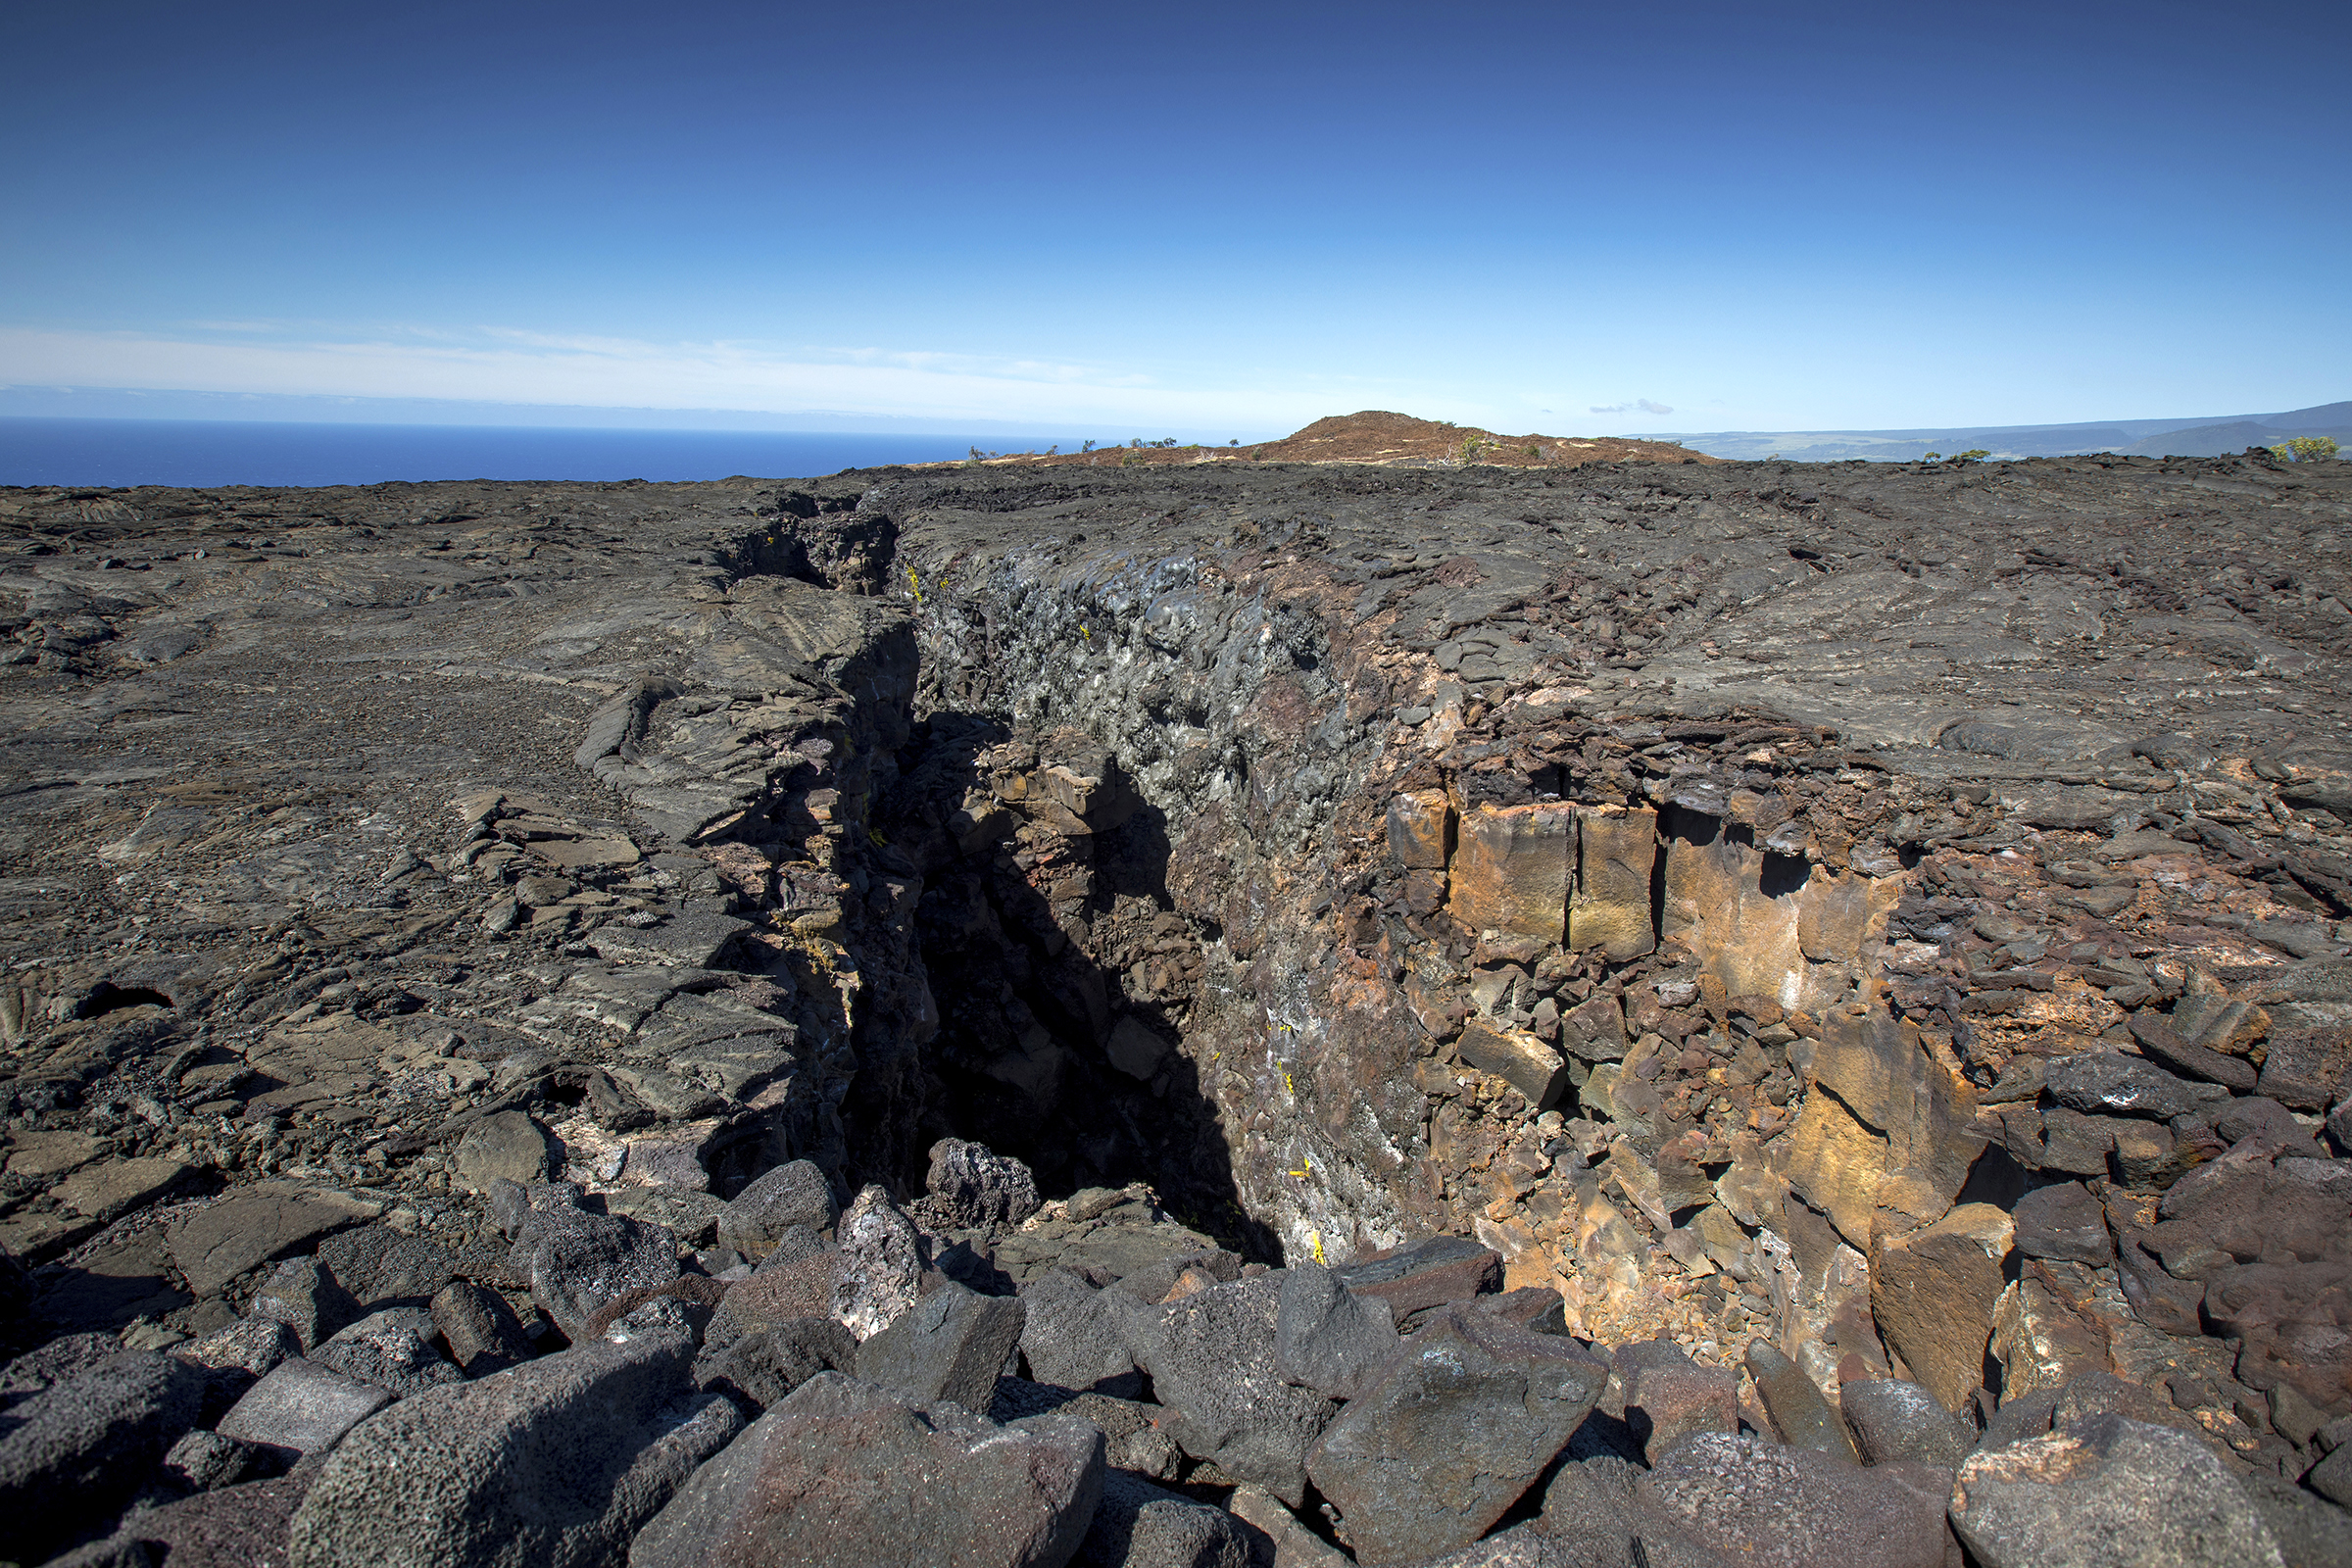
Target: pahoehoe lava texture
{"points": [[1793, 927]]}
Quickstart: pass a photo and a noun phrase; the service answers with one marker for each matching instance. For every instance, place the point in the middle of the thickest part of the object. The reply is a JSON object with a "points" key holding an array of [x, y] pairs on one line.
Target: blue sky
{"points": [[1213, 220]]}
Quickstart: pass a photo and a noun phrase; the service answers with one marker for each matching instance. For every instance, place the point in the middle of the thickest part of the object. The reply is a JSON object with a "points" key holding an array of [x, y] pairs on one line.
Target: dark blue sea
{"points": [[207, 452]]}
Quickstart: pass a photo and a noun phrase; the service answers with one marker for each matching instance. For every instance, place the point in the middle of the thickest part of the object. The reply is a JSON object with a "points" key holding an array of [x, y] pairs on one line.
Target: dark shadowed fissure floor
{"points": [[1060, 998]]}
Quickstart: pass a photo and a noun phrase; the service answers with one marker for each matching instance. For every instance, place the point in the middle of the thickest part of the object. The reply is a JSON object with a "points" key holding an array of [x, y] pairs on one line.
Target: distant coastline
{"points": [[2199, 436], [208, 452], [119, 452]]}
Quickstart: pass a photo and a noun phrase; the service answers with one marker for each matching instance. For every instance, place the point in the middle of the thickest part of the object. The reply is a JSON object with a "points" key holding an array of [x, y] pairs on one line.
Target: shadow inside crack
{"points": [[1062, 974]]}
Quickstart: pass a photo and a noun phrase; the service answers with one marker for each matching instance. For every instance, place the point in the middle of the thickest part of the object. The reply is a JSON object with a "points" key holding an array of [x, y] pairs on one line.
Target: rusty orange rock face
{"points": [[1890, 1143], [1510, 871], [1771, 925]]}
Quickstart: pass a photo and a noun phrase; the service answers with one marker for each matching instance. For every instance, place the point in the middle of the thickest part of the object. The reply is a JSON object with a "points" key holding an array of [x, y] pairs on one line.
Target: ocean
{"points": [[204, 453]]}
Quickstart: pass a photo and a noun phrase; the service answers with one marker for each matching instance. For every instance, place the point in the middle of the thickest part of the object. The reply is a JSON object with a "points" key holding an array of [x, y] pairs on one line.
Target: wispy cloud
{"points": [[1638, 406], [504, 365]]}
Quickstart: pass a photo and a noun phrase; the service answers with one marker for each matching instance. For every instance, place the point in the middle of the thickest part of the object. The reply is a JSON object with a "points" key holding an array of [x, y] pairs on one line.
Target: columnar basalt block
{"points": [[1610, 906], [1510, 871], [1421, 830], [1772, 925]]}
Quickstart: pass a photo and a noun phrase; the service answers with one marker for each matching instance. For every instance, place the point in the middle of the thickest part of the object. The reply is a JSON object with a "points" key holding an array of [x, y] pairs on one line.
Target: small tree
{"points": [[1971, 454], [2306, 448]]}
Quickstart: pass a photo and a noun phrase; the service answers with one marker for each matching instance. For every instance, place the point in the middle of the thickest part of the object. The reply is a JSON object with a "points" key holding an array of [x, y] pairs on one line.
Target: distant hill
{"points": [[1382, 439], [2236, 435], [2212, 435]]}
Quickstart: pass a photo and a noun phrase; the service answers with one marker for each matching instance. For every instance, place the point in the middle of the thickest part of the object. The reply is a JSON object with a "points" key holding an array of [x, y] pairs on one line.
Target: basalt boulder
{"points": [[842, 1473], [561, 1459], [1455, 1427]]}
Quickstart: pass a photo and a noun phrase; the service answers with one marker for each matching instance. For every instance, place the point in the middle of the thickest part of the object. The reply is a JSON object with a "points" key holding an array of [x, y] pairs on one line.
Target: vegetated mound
{"points": [[1378, 436], [1382, 439]]}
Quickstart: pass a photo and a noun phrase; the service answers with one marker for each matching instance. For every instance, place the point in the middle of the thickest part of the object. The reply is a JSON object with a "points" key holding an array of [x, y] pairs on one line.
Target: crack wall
{"points": [[1662, 1010]]}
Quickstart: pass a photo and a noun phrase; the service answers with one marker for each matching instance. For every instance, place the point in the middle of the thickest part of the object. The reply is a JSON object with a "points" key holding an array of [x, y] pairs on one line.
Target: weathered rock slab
{"points": [[1893, 1419], [795, 1195], [1074, 1336], [1754, 1502], [2107, 1493], [951, 1346], [1211, 1359], [559, 1460], [1465, 1417], [1326, 1337], [1431, 1273], [843, 1474], [760, 1370], [252, 1226], [303, 1408]]}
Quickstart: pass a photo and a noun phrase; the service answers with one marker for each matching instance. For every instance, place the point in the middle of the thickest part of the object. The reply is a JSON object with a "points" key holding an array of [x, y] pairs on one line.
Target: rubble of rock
{"points": [[1249, 1014]]}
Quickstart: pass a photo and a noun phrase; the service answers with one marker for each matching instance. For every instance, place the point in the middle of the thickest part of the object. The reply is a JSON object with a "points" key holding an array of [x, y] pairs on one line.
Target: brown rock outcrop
{"points": [[1893, 1133], [1933, 1292]]}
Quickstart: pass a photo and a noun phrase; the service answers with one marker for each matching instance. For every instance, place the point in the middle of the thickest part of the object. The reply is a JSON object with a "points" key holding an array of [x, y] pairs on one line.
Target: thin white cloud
{"points": [[508, 366], [1638, 406]]}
